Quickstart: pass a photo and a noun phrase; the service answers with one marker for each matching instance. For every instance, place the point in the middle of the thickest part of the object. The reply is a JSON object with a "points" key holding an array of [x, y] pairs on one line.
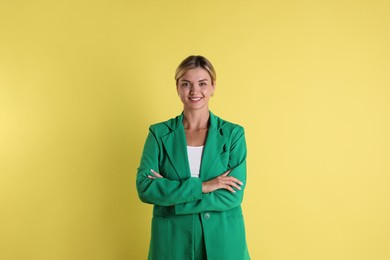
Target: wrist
{"points": [[204, 187]]}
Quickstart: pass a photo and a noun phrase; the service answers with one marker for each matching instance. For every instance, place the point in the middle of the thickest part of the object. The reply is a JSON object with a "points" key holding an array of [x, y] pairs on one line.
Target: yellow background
{"points": [[81, 81]]}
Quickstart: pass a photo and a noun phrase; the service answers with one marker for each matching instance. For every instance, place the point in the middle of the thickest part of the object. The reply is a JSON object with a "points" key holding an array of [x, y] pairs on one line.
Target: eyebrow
{"points": [[190, 81]]}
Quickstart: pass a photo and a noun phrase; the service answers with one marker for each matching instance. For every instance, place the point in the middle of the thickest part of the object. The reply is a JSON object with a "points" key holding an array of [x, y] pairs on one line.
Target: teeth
{"points": [[195, 99]]}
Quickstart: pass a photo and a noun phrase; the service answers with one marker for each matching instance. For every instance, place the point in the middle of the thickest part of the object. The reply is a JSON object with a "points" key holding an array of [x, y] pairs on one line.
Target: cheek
{"points": [[182, 93], [182, 96], [207, 92]]}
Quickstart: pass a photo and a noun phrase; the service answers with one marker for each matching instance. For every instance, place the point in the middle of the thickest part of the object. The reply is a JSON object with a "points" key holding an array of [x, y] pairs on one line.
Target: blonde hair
{"points": [[192, 62]]}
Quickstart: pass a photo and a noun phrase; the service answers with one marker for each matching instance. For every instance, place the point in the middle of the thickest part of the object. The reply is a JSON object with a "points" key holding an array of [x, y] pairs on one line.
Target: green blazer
{"points": [[178, 197]]}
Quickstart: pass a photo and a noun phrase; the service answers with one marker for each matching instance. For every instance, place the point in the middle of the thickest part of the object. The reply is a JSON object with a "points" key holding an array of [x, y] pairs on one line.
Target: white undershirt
{"points": [[195, 159]]}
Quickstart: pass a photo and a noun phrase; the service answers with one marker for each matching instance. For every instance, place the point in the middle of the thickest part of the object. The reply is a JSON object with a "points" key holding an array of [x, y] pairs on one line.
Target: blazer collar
{"points": [[175, 145]]}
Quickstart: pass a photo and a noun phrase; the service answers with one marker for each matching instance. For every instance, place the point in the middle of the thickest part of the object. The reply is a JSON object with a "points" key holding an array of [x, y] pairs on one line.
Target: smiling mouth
{"points": [[195, 98]]}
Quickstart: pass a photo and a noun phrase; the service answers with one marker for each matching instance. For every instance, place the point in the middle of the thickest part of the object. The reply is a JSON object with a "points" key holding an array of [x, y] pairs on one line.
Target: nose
{"points": [[193, 88]]}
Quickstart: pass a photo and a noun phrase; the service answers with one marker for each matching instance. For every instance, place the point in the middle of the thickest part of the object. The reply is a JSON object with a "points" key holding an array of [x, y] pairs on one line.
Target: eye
{"points": [[185, 84], [203, 84]]}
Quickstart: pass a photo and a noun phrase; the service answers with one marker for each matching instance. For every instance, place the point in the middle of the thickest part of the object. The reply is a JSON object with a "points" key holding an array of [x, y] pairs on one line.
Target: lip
{"points": [[195, 99]]}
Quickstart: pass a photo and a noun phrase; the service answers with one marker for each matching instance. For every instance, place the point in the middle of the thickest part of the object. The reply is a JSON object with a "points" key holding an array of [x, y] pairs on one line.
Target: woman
{"points": [[193, 169]]}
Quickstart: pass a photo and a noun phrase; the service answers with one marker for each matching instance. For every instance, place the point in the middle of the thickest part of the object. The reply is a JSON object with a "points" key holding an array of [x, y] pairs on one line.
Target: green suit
{"points": [[178, 199]]}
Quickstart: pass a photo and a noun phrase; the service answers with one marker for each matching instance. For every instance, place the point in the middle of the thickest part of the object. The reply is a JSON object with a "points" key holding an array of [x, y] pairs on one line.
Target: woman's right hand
{"points": [[222, 181]]}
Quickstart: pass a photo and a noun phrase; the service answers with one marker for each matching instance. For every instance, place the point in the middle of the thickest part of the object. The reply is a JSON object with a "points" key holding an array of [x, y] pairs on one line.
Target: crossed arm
{"points": [[222, 181]]}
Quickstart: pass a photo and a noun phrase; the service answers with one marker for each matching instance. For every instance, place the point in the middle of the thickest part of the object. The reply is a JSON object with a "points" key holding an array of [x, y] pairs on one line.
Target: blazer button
{"points": [[206, 215]]}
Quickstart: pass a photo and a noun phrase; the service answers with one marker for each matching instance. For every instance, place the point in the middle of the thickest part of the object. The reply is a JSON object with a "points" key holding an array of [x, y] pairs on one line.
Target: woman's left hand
{"points": [[156, 175]]}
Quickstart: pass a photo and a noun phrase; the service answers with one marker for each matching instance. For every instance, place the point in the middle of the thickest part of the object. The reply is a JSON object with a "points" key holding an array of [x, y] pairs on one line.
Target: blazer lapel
{"points": [[175, 145], [213, 148]]}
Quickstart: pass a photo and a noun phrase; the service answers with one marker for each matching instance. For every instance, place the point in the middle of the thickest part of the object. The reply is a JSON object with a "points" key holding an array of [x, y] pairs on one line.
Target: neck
{"points": [[196, 119]]}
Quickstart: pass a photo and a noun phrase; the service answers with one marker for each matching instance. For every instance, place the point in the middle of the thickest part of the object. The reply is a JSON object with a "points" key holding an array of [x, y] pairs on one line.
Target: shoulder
{"points": [[226, 127], [165, 127]]}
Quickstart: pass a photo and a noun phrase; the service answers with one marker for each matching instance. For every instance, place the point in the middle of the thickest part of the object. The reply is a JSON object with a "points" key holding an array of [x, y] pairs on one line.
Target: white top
{"points": [[195, 159]]}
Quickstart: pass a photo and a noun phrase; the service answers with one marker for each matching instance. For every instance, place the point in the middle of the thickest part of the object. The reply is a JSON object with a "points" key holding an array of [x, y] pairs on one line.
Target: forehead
{"points": [[196, 74]]}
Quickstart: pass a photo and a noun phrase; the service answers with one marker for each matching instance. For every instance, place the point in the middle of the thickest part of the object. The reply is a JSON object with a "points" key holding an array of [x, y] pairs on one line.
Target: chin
{"points": [[198, 107]]}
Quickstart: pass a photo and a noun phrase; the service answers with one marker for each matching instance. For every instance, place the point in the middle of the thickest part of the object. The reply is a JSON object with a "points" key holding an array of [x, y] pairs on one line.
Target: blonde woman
{"points": [[193, 170]]}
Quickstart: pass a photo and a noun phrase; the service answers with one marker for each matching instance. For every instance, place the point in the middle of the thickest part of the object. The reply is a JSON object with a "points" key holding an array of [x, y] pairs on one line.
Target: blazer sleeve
{"points": [[162, 191], [222, 200]]}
